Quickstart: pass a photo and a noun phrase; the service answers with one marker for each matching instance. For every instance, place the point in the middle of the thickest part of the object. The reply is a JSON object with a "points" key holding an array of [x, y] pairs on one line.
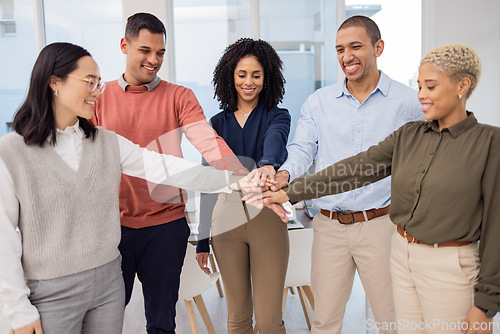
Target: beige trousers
{"points": [[252, 257], [433, 287], [338, 250]]}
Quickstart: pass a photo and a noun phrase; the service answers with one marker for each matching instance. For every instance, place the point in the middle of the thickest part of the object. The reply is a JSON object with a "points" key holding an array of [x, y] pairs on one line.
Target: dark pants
{"points": [[156, 254]]}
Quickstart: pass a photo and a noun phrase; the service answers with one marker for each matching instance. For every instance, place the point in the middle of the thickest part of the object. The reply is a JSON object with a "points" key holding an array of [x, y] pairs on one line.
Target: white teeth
{"points": [[149, 68], [351, 67], [90, 102], [249, 90], [426, 106]]}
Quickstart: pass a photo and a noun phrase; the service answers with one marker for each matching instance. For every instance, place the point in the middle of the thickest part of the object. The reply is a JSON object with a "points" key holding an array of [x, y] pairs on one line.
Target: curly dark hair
{"points": [[274, 82]]}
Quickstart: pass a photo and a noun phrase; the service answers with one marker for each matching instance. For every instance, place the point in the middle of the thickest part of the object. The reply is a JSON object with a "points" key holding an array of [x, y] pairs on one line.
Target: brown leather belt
{"points": [[350, 217], [411, 239]]}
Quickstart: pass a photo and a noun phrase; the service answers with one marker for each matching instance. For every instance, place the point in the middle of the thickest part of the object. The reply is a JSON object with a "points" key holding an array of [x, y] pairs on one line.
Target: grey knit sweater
{"points": [[69, 221]]}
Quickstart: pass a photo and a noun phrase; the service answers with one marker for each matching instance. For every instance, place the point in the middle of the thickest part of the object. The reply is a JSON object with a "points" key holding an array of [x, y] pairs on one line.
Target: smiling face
{"points": [[356, 54], [144, 56], [438, 94], [248, 81], [73, 97]]}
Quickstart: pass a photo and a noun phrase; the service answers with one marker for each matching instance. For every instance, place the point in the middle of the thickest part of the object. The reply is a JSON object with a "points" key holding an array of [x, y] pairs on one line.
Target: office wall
{"points": [[476, 24]]}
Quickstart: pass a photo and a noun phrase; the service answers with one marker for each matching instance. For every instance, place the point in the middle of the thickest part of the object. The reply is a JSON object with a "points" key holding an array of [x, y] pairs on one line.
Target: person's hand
{"points": [[35, 327], [267, 174], [477, 322], [266, 198], [279, 196], [279, 210], [249, 183], [202, 259], [280, 180]]}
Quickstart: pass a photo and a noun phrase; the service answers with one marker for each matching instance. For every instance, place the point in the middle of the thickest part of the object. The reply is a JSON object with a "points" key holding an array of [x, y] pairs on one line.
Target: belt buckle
{"points": [[344, 213], [410, 241]]}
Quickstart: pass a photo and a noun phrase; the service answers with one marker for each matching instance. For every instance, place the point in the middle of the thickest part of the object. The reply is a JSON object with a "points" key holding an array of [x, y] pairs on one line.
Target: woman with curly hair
{"points": [[445, 190], [251, 245]]}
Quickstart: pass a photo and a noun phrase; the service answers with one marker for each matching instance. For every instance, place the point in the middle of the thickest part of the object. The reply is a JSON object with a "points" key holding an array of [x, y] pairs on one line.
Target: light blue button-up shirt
{"points": [[333, 125]]}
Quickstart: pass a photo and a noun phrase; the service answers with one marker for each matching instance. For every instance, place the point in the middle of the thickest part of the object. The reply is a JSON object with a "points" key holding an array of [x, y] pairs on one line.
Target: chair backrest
{"points": [[193, 280], [299, 261]]}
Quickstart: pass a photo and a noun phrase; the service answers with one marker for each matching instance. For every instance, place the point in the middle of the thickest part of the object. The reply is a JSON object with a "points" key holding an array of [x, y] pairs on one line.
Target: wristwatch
{"points": [[489, 313]]}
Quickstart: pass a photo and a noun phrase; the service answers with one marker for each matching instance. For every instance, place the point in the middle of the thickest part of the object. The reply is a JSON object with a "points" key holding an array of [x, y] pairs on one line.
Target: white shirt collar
{"points": [[74, 129]]}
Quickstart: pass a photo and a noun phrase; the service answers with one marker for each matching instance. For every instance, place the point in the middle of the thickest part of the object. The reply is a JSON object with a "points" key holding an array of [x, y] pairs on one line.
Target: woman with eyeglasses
{"points": [[59, 216]]}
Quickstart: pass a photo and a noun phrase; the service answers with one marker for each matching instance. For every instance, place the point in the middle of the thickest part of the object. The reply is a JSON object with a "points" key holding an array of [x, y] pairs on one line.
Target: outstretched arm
{"points": [[348, 174], [166, 169], [304, 146]]}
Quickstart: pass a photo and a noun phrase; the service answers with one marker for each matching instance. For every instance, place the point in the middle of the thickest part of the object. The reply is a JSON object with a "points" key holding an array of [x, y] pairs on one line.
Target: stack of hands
{"points": [[262, 187]]}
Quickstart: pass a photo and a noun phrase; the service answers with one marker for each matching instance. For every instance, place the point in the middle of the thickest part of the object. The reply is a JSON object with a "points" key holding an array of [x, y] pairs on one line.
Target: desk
{"points": [[303, 218]]}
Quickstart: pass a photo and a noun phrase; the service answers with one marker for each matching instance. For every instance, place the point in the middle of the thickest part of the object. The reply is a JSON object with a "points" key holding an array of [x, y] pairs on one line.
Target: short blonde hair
{"points": [[456, 60]]}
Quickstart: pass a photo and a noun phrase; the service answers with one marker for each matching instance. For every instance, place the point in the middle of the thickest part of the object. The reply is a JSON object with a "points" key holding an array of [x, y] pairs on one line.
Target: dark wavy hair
{"points": [[35, 120], [274, 82], [368, 24]]}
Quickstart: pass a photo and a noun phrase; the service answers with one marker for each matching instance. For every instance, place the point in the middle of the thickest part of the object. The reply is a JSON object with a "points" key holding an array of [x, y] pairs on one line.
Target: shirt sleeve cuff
{"points": [[292, 197], [234, 180], [287, 168], [202, 246], [265, 162], [487, 302], [23, 315]]}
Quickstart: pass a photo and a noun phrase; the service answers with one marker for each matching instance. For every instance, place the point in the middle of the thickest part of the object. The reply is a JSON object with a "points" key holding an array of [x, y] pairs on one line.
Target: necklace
{"points": [[248, 113]]}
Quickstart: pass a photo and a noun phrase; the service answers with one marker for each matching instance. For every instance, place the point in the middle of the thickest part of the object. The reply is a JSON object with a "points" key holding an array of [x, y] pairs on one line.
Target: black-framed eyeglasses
{"points": [[92, 83]]}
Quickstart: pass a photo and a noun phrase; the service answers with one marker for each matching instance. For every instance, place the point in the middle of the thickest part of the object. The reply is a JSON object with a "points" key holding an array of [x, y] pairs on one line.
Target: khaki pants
{"points": [[251, 255], [338, 250], [433, 287]]}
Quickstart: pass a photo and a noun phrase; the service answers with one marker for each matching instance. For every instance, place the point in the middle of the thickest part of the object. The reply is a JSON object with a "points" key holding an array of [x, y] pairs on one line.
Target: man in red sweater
{"points": [[154, 113]]}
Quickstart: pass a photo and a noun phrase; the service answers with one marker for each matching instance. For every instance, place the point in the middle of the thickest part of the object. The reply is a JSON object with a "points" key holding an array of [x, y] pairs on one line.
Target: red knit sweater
{"points": [[156, 120]]}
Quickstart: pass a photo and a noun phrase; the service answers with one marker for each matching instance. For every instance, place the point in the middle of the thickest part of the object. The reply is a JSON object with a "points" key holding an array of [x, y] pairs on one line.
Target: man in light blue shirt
{"points": [[353, 229]]}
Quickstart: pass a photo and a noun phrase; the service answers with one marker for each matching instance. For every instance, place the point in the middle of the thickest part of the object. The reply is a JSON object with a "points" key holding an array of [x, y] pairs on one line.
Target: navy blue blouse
{"points": [[261, 141]]}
